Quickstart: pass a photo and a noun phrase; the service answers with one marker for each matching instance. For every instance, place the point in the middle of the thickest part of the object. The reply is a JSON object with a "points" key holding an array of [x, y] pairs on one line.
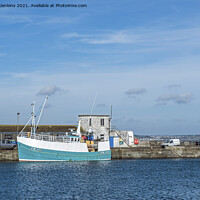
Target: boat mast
{"points": [[79, 129], [33, 125], [33, 119], [41, 111]]}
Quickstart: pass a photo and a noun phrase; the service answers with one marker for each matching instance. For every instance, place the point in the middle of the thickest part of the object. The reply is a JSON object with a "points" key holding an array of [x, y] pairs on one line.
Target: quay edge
{"points": [[9, 155], [156, 152]]}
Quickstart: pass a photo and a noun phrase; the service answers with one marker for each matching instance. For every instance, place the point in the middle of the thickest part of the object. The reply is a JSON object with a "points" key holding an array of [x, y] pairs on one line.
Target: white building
{"points": [[122, 138], [98, 124]]}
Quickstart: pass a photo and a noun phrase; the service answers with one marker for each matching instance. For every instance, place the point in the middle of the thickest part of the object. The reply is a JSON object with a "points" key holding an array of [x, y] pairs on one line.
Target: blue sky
{"points": [[141, 57]]}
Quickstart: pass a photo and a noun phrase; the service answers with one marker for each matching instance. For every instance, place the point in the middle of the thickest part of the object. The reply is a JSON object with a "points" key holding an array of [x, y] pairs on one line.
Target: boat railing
{"points": [[51, 138]]}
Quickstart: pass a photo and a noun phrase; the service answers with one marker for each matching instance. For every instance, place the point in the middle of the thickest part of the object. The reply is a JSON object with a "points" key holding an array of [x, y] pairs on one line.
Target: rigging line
{"points": [[93, 103], [41, 111]]}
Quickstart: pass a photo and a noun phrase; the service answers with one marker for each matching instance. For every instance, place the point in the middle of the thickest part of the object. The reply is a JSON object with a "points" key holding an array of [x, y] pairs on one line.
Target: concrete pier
{"points": [[9, 155], [156, 152]]}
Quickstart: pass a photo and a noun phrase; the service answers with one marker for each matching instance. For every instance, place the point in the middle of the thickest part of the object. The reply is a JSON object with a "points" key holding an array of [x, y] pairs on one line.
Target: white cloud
{"points": [[15, 19], [36, 19], [73, 35], [49, 90], [120, 37], [20, 75], [176, 98], [135, 92], [150, 38]]}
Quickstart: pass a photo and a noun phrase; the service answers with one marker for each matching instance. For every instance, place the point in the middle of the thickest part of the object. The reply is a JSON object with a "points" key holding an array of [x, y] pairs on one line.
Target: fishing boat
{"points": [[71, 146]]}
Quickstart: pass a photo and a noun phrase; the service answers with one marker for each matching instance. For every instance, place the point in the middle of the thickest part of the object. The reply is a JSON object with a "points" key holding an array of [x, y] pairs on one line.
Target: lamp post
{"points": [[18, 123]]}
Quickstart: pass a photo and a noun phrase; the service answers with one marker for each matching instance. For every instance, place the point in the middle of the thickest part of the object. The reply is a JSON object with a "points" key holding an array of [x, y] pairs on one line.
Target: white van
{"points": [[171, 142]]}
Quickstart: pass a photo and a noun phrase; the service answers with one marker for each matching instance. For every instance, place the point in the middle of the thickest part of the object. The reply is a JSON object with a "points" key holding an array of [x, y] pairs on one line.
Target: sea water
{"points": [[116, 179]]}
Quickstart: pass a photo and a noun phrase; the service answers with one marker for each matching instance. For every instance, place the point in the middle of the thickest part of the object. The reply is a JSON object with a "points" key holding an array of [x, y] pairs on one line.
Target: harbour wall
{"points": [[156, 152], [153, 150], [9, 155]]}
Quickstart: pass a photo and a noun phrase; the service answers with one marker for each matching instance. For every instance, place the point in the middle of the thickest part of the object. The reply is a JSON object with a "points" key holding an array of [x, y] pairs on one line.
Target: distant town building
{"points": [[98, 124]]}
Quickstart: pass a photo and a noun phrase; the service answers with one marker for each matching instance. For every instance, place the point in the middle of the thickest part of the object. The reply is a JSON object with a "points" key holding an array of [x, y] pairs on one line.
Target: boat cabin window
{"points": [[72, 139]]}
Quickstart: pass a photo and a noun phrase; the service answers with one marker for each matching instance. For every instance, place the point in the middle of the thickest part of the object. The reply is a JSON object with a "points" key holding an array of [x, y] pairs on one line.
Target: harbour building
{"points": [[99, 125]]}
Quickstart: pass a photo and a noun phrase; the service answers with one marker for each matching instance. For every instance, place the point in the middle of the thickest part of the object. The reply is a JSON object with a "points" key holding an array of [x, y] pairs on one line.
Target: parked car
{"points": [[8, 144], [171, 142]]}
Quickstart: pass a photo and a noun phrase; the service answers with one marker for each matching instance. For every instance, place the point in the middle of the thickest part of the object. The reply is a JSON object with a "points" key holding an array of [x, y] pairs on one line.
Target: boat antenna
{"points": [[41, 111], [93, 104]]}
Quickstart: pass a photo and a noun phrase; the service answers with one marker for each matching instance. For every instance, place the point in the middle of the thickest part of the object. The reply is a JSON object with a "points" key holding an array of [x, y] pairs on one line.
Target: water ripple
{"points": [[118, 179]]}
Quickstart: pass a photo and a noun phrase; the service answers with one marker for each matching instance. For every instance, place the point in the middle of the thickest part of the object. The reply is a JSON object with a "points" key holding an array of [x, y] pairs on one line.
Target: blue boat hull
{"points": [[28, 153]]}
